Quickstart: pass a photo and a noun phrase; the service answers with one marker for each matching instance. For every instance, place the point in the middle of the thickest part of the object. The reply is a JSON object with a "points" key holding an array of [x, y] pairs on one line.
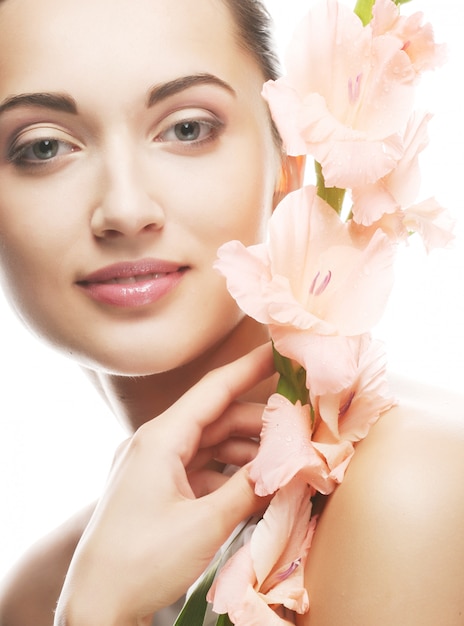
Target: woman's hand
{"points": [[165, 511]]}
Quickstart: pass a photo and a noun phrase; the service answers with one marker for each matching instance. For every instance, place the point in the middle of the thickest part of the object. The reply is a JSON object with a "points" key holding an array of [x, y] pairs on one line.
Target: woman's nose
{"points": [[125, 207]]}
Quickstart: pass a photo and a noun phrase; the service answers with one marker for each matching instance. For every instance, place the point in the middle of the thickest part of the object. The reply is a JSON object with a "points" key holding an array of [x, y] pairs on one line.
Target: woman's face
{"points": [[133, 143]]}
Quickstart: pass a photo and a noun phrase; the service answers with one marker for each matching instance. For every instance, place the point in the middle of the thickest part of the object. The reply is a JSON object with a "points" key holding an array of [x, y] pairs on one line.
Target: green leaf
{"points": [[292, 381], [332, 195], [224, 620], [194, 610]]}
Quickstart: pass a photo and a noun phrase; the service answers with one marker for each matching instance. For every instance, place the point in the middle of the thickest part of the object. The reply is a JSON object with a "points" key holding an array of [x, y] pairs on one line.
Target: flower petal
{"points": [[401, 186], [348, 415], [247, 275], [283, 535], [355, 88], [231, 586], [313, 274], [286, 449], [251, 579], [417, 39], [432, 222]]}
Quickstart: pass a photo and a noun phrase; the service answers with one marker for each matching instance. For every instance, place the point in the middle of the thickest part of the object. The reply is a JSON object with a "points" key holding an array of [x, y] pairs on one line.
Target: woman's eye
{"points": [[40, 151], [195, 132], [43, 150], [188, 131]]}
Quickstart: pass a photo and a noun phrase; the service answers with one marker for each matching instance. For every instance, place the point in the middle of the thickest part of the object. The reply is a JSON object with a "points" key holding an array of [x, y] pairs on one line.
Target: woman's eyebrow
{"points": [[55, 101], [67, 104], [165, 90]]}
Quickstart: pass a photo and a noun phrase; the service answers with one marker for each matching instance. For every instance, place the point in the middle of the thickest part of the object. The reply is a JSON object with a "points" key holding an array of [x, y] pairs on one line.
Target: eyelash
{"points": [[213, 128], [41, 139], [18, 153]]}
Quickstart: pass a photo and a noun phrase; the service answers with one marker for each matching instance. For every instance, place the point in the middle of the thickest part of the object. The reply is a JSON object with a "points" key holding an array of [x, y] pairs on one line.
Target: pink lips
{"points": [[132, 284]]}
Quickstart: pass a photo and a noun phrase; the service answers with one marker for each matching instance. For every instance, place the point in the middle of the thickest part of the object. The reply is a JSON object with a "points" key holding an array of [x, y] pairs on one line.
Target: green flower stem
{"points": [[292, 381], [332, 195]]}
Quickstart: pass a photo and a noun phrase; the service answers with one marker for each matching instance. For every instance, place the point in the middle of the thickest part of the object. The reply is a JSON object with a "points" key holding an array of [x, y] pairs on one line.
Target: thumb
{"points": [[236, 500]]}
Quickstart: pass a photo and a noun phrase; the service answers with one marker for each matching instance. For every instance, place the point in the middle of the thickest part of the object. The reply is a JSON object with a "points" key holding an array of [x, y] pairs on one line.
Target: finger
{"points": [[236, 451], [233, 502], [204, 482], [240, 419], [210, 397]]}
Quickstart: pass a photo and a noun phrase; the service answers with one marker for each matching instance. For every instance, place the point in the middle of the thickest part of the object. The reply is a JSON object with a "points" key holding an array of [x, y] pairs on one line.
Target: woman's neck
{"points": [[136, 400]]}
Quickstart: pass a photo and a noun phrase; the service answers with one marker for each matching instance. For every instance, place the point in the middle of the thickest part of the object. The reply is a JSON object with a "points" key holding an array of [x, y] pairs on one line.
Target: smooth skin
{"points": [[167, 539], [389, 547], [123, 187], [146, 543]]}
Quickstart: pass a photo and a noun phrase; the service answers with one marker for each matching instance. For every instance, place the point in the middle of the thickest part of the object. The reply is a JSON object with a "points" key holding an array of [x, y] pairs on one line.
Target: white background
{"points": [[57, 437]]}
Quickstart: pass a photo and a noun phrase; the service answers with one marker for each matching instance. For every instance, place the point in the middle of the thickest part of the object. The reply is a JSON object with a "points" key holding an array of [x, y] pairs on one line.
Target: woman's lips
{"points": [[132, 284]]}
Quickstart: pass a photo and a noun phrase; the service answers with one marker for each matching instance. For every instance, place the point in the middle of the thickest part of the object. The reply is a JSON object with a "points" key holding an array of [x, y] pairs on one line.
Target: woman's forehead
{"points": [[55, 39], [93, 22]]}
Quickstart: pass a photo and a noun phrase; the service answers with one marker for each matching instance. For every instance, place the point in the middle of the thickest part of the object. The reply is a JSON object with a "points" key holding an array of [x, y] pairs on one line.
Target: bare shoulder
{"points": [[389, 547], [29, 594]]}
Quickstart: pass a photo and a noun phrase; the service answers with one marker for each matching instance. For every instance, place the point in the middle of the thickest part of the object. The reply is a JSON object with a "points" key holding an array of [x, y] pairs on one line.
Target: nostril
{"points": [[151, 227], [109, 234], [116, 216]]}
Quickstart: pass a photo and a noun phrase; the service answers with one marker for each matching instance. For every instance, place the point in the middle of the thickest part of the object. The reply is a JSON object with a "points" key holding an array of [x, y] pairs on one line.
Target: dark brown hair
{"points": [[255, 30], [255, 35]]}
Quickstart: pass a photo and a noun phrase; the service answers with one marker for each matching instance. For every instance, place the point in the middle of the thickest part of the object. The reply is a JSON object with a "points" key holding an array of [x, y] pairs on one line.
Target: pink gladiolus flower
{"points": [[386, 204], [399, 188], [349, 89], [315, 443], [350, 413], [432, 222], [345, 418], [428, 219], [269, 569], [287, 451], [315, 286], [417, 39]]}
